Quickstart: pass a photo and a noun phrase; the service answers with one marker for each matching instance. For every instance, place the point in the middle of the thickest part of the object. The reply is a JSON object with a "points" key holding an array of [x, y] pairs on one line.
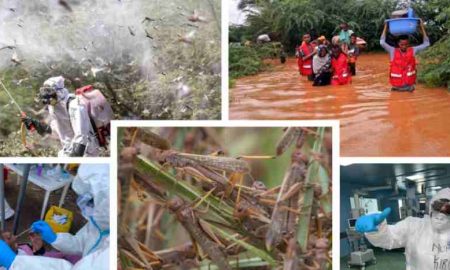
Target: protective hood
{"points": [[440, 222], [58, 84], [442, 194], [92, 180]]}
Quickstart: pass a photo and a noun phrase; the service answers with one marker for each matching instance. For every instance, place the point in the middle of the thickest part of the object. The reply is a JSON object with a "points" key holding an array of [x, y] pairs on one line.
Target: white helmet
{"points": [[442, 194], [57, 83]]}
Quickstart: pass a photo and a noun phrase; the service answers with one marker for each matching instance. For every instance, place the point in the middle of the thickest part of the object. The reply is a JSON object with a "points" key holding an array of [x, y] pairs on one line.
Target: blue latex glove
{"points": [[370, 222], [7, 256], [41, 227]]}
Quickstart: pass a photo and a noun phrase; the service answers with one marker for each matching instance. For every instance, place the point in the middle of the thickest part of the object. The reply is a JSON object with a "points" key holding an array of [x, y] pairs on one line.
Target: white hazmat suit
{"points": [[426, 247], [72, 122], [91, 241]]}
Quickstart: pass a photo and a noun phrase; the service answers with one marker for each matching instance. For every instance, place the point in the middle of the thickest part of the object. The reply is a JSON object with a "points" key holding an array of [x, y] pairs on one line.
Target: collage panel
{"points": [[395, 216], [69, 68], [225, 197], [322, 122], [54, 216], [380, 67]]}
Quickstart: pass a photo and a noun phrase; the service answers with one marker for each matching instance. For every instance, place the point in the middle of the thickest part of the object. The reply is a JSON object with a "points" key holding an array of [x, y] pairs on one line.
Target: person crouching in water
{"points": [[403, 61], [69, 118], [339, 66], [306, 53], [322, 67]]}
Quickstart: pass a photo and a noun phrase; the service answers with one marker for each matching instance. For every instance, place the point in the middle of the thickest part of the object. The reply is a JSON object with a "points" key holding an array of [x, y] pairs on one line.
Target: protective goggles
{"points": [[47, 95], [441, 206]]}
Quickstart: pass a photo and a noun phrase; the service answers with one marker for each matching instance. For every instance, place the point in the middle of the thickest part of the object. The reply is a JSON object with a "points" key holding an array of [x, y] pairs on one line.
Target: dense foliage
{"points": [[435, 61], [292, 18], [248, 60]]}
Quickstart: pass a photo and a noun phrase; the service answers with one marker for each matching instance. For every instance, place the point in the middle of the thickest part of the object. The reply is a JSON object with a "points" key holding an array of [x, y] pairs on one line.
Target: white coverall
{"points": [[425, 247], [73, 126], [91, 241]]}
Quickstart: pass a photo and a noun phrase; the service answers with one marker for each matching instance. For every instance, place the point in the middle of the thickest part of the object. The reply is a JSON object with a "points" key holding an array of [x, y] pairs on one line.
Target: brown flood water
{"points": [[374, 120]]}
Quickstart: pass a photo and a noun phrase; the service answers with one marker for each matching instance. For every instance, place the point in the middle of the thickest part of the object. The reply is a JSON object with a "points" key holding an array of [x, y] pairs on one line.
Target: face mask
{"points": [[440, 221], [53, 101], [86, 204]]}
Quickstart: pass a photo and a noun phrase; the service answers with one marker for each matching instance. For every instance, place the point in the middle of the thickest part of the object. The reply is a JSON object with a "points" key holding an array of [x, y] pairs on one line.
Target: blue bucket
{"points": [[403, 26]]}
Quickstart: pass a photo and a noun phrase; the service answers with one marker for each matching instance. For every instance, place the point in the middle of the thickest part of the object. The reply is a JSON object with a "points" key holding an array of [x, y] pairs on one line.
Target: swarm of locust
{"points": [[247, 219]]}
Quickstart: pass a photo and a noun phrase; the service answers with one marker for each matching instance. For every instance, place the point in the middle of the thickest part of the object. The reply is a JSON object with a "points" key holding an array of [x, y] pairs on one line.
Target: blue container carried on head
{"points": [[403, 26]]}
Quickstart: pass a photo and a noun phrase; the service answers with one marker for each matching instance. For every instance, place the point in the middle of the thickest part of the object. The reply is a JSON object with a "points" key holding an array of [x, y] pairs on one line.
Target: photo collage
{"points": [[224, 134]]}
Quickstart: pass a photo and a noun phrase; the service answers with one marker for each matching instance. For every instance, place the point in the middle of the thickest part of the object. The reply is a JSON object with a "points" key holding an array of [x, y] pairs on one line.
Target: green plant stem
{"points": [[305, 212], [238, 264], [250, 248]]}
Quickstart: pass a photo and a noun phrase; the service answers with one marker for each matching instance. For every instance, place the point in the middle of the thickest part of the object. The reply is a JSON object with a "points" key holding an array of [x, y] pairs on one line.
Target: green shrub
{"points": [[435, 64], [244, 61]]}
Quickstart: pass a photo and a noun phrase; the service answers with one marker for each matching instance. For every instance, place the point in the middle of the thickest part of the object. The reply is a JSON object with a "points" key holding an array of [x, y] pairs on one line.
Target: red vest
{"points": [[341, 74], [305, 65], [403, 68]]}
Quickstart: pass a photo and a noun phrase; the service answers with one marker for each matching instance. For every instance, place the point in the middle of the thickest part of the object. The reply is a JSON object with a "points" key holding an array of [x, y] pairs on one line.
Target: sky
{"points": [[236, 16]]}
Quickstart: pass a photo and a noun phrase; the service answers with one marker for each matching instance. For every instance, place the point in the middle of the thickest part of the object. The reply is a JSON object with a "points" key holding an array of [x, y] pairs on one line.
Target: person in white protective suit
{"points": [[69, 118], [92, 241], [426, 240]]}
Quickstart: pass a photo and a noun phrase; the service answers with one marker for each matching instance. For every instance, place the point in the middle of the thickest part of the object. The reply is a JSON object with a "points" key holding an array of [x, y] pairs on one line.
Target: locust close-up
{"points": [[224, 198]]}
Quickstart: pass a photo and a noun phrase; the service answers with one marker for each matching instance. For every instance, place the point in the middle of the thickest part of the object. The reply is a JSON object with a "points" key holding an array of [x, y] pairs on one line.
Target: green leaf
{"points": [[326, 204], [323, 179], [250, 248]]}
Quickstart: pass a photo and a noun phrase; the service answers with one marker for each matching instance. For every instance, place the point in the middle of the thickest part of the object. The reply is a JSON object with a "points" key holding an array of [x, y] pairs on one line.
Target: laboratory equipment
{"points": [[360, 255]]}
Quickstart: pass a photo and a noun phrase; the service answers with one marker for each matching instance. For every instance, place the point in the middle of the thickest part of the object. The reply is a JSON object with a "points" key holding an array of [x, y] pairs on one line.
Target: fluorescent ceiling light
{"points": [[415, 177]]}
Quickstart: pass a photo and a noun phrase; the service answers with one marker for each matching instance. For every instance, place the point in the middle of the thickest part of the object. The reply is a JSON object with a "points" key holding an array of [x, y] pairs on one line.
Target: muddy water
{"points": [[374, 120]]}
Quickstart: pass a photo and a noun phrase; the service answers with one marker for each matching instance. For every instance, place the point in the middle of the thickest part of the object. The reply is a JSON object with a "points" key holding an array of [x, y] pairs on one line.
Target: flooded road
{"points": [[374, 120]]}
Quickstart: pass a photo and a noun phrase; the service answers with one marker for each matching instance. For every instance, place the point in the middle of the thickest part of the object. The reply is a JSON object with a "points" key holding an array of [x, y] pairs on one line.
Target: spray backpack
{"points": [[99, 111]]}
